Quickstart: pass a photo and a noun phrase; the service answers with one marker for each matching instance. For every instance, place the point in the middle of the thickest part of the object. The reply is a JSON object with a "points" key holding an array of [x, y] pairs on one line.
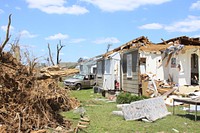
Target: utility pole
{"points": [[108, 47]]}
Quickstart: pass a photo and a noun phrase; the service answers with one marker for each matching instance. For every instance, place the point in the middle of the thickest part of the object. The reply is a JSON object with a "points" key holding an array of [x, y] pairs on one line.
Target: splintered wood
{"points": [[27, 103], [55, 72]]}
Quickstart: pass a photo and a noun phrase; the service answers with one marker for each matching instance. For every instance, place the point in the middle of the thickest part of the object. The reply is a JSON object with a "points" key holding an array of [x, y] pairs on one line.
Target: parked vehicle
{"points": [[80, 81]]}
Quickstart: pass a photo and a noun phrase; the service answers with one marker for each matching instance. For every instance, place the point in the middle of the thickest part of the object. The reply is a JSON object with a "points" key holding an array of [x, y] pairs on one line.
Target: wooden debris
{"points": [[39, 131], [145, 88], [56, 71], [166, 94], [32, 102], [82, 124], [85, 119]]}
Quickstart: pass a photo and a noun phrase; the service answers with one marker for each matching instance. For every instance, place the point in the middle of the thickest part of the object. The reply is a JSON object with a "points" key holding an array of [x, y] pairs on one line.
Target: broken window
{"points": [[173, 62], [142, 65]]}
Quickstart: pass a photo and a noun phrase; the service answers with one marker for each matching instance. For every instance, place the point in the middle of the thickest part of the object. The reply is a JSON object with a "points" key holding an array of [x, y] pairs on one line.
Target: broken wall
{"points": [[178, 67], [154, 64]]}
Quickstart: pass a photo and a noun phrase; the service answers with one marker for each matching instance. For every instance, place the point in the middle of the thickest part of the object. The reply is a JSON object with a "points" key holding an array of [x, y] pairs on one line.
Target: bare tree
{"points": [[31, 62], [50, 55], [7, 34], [59, 47], [15, 49]]}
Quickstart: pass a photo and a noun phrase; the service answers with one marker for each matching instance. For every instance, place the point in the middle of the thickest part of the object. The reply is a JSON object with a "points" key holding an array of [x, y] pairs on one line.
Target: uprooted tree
{"points": [[28, 102]]}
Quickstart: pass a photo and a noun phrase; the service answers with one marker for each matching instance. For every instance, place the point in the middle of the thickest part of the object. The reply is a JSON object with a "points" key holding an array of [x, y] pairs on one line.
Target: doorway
{"points": [[194, 69]]}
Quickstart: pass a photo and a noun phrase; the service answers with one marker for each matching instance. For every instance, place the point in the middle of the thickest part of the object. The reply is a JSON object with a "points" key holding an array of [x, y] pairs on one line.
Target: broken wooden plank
{"points": [[85, 119], [81, 126], [144, 88], [83, 123], [166, 94]]}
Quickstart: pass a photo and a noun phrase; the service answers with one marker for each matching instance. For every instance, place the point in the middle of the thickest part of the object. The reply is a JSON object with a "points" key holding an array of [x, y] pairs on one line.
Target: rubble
{"points": [[28, 103], [56, 71]]}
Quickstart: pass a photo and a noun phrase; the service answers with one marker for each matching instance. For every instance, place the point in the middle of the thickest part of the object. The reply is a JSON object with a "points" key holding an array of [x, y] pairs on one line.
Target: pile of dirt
{"points": [[28, 102]]}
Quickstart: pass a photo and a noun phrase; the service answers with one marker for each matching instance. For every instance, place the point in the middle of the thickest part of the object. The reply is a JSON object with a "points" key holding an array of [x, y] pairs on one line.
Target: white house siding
{"points": [[180, 77], [111, 71], [184, 74], [183, 77], [153, 65]]}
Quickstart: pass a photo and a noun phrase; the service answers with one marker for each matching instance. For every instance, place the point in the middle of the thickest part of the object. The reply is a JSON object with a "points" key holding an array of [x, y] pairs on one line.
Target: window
{"points": [[99, 68], [173, 63], [81, 68], [107, 66], [129, 65]]}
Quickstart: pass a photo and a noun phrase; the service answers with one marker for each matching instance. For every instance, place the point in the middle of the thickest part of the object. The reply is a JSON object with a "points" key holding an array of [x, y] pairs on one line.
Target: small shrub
{"points": [[126, 97]]}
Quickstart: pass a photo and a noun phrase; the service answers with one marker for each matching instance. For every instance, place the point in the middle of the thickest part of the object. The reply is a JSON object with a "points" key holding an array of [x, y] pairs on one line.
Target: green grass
{"points": [[103, 121]]}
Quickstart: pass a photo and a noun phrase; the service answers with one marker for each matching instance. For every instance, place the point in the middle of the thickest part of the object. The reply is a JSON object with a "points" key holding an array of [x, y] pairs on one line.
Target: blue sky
{"points": [[86, 27]]}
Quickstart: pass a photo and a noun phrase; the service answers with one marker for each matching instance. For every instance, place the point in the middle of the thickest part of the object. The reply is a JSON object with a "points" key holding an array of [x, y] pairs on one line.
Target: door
{"points": [[86, 81], [130, 68], [107, 84]]}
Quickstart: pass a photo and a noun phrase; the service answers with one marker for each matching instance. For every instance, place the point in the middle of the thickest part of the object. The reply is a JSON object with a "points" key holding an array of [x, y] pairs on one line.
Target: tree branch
{"points": [[7, 34], [50, 56], [58, 51]]}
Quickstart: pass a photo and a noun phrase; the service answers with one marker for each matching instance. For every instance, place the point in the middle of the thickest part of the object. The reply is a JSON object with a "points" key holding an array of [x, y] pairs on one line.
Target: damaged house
{"points": [[110, 66], [146, 68], [89, 66], [108, 72]]}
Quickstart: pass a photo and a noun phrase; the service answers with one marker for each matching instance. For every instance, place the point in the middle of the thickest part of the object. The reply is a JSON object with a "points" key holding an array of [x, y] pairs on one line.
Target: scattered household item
{"points": [[151, 109], [189, 101]]}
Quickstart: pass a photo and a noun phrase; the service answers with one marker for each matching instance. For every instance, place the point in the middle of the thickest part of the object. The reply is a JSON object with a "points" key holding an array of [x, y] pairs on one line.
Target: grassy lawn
{"points": [[103, 121]]}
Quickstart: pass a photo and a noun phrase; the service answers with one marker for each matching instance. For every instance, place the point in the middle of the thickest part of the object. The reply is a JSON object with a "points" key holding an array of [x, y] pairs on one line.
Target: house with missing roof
{"points": [[174, 62]]}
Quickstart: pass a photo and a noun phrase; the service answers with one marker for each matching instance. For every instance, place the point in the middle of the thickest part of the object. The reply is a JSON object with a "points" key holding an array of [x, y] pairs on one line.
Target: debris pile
{"points": [[27, 103], [152, 87], [56, 71]]}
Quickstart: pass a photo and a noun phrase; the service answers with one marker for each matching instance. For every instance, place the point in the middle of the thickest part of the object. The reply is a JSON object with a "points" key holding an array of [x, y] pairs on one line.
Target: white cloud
{"points": [[195, 5], [58, 36], [18, 8], [196, 36], [1, 11], [27, 34], [151, 26], [85, 57], [78, 40], [123, 5], [56, 7], [190, 24], [4, 28], [107, 40]]}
